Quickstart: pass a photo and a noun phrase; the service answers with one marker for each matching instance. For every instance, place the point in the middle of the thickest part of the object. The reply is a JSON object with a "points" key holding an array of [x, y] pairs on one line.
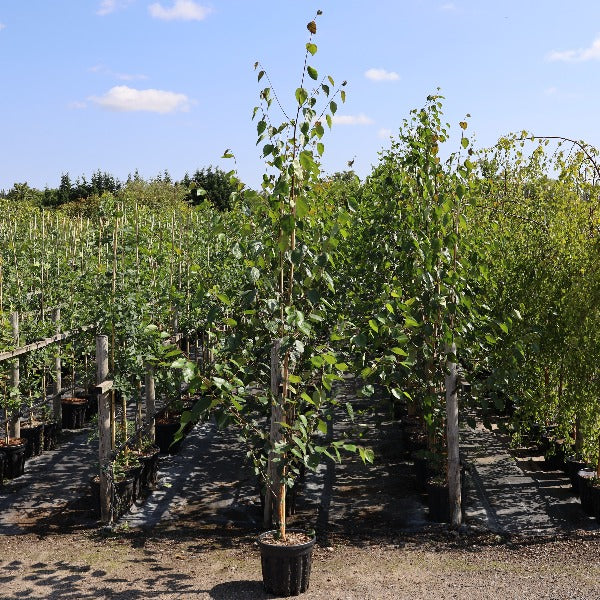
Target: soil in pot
{"points": [[73, 412], [14, 455], [286, 567], [34, 436]]}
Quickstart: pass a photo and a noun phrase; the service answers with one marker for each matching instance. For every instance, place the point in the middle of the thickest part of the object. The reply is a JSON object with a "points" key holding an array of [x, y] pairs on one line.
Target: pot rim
{"points": [[262, 543]]}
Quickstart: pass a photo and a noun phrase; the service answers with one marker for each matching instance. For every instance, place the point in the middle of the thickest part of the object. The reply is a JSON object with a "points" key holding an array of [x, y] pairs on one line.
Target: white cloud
{"points": [[77, 105], [384, 133], [110, 6], [360, 119], [580, 55], [2, 26], [449, 6], [381, 75], [122, 98], [182, 10]]}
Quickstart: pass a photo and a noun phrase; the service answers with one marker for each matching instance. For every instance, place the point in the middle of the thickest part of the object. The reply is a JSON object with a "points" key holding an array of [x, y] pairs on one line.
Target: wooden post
{"points": [[56, 403], [451, 381], [150, 397], [104, 429], [277, 416], [15, 419], [113, 421]]}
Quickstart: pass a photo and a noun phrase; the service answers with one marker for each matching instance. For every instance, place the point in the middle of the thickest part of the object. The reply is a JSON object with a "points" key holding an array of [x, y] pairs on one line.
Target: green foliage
{"points": [[212, 185]]}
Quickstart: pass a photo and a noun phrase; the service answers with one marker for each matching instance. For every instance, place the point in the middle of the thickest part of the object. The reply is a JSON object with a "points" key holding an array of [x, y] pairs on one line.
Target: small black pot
{"points": [[165, 434], [51, 434], [438, 502], [123, 496], [14, 455], [584, 478], [149, 468], [573, 467], [285, 569], [73, 412], [555, 457], [95, 493], [422, 472], [34, 436]]}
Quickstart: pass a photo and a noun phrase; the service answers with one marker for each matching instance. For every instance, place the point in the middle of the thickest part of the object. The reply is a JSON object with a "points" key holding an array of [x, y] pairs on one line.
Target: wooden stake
{"points": [[273, 490], [454, 487], [150, 402], [15, 420], [56, 403], [104, 429]]}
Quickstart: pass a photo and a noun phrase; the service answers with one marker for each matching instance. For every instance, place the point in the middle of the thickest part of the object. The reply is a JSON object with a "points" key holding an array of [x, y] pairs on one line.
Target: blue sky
{"points": [[120, 85]]}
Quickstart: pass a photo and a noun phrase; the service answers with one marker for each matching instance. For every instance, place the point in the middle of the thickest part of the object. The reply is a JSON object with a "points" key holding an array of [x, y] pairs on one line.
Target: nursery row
{"points": [[486, 261]]}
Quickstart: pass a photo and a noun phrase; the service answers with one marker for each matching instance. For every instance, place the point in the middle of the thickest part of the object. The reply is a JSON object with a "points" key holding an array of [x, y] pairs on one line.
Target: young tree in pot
{"points": [[281, 326]]}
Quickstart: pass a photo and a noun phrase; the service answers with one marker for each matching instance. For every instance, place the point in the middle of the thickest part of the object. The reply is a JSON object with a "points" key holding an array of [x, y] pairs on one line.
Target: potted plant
{"points": [[277, 358], [12, 448]]}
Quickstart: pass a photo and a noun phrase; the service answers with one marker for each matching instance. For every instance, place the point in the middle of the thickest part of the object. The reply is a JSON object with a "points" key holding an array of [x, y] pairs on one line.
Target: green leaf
{"points": [[366, 454], [343, 96], [333, 107], [301, 96], [224, 299], [301, 207], [464, 142], [312, 48], [373, 325], [312, 72], [399, 351]]}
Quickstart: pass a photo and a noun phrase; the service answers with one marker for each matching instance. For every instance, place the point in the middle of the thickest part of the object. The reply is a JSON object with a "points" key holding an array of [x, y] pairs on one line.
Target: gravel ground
{"points": [[197, 565]]}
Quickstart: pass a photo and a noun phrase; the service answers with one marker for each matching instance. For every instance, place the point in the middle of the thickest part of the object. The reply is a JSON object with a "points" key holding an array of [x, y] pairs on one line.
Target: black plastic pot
{"points": [[438, 502], [573, 467], [555, 457], [73, 412], [149, 468], [14, 456], [51, 433], [34, 436], [165, 434], [95, 493], [285, 569], [123, 496], [584, 478], [91, 408], [421, 465]]}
